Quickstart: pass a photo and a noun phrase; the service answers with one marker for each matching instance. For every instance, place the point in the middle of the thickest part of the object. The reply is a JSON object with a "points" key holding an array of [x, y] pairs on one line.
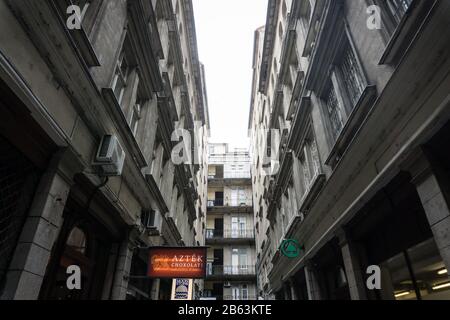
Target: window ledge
{"points": [[312, 31], [85, 47], [80, 38], [348, 132], [295, 221], [312, 192]]}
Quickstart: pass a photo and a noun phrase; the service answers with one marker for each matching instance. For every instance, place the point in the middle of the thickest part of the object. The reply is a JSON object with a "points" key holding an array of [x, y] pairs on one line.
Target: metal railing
{"points": [[230, 234], [232, 175], [242, 297], [242, 270], [215, 203], [228, 203]]}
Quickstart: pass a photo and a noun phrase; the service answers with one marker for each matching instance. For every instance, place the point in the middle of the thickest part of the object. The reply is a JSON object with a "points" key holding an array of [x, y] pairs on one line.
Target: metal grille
{"points": [[334, 113], [352, 75], [399, 8], [18, 181]]}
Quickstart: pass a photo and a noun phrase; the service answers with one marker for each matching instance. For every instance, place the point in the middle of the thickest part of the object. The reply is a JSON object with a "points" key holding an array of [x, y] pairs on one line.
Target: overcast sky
{"points": [[225, 33]]}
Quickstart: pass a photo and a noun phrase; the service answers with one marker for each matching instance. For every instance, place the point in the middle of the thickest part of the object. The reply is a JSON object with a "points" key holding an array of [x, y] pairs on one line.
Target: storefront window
{"points": [[419, 274]]}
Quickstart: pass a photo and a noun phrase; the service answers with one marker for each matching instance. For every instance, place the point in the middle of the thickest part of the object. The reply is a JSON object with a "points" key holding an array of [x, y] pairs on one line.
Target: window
{"points": [[346, 87], [334, 111], [121, 76], [135, 117], [284, 10], [280, 31], [398, 8], [351, 75], [244, 292], [393, 12], [309, 164], [305, 16]]}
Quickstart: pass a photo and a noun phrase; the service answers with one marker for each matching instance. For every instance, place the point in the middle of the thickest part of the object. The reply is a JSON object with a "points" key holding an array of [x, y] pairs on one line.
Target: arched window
{"points": [[280, 30], [77, 240], [284, 10]]}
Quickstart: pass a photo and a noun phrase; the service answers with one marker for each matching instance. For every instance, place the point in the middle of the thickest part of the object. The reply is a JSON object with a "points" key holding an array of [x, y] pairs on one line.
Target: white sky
{"points": [[225, 34]]}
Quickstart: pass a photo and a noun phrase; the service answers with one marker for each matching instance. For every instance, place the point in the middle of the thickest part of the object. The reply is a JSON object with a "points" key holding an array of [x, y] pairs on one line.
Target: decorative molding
{"points": [[38, 111]]}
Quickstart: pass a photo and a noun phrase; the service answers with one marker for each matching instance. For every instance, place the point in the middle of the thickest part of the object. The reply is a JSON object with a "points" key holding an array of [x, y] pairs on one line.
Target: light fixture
{"points": [[443, 271], [402, 294], [441, 286]]}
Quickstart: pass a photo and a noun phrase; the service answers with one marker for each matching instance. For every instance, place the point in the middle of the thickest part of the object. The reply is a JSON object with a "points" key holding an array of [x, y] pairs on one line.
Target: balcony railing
{"points": [[242, 297], [243, 270], [215, 203], [227, 203], [232, 175], [230, 234]]}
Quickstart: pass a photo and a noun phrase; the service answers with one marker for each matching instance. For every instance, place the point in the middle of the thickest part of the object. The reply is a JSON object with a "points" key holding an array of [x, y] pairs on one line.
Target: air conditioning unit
{"points": [[152, 221], [110, 156]]}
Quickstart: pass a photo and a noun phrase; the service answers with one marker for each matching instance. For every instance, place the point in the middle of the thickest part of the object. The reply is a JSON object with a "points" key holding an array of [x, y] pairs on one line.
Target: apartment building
{"points": [[92, 107], [349, 120], [230, 236]]}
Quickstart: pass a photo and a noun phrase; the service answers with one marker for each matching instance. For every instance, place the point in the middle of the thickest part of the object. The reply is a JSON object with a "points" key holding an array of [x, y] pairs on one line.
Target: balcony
{"points": [[234, 206], [214, 236], [230, 273], [238, 178], [215, 203]]}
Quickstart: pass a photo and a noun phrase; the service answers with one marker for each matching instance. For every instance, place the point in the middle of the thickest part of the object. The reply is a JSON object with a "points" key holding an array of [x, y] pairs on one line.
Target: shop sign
{"points": [[182, 262]]}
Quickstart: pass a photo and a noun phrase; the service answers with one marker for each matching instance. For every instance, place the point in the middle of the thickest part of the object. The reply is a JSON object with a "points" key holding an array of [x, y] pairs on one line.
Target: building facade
{"points": [[349, 121], [230, 237], [74, 76]]}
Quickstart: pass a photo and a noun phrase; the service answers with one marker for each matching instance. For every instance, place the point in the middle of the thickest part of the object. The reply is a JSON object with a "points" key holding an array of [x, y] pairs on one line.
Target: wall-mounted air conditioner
{"points": [[110, 156]]}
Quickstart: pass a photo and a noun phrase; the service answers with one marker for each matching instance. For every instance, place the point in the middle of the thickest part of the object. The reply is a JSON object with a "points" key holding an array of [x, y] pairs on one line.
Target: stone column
{"points": [[42, 226], [155, 289], [122, 273], [433, 188], [387, 288], [312, 282], [294, 295], [356, 283], [287, 291]]}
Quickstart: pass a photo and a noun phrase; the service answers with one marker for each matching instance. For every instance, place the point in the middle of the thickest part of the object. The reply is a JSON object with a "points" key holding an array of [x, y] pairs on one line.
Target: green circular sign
{"points": [[290, 248]]}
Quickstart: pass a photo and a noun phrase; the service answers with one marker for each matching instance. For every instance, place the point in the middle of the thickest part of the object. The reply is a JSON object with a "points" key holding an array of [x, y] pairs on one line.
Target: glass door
{"points": [[234, 197], [242, 227], [242, 197], [243, 261], [234, 227], [245, 292], [236, 294], [235, 262]]}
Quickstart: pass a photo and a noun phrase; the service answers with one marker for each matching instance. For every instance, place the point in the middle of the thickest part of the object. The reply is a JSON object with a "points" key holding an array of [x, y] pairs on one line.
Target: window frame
{"points": [[119, 74], [337, 83]]}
